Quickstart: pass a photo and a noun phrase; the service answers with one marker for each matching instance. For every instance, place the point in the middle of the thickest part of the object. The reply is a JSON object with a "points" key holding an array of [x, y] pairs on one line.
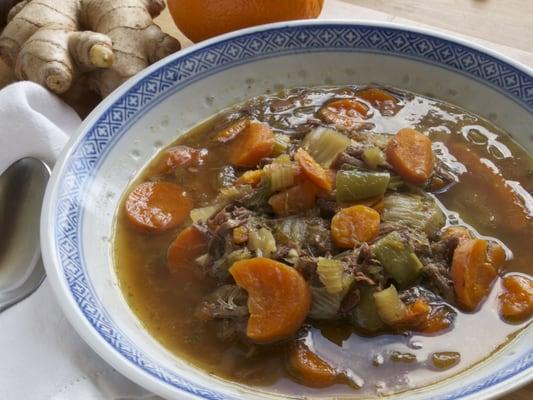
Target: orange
{"points": [[202, 19]]}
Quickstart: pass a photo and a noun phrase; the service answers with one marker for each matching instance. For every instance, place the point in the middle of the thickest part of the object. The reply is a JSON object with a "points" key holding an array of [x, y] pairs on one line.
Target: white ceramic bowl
{"points": [[148, 111]]}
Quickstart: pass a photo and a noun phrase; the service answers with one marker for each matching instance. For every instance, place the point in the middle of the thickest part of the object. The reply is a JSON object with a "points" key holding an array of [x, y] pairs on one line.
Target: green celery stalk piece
{"points": [[398, 259]]}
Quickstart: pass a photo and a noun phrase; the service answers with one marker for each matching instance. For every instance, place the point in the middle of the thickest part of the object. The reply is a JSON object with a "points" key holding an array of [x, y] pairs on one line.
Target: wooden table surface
{"points": [[502, 25]]}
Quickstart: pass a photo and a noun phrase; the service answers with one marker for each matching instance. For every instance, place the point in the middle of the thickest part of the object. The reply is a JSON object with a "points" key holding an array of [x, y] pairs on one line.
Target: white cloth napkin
{"points": [[41, 355]]}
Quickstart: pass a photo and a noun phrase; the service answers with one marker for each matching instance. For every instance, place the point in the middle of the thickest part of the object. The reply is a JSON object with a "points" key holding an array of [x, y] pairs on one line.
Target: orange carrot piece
{"points": [[416, 315], [411, 156], [231, 131], [347, 113], [294, 200], [516, 302], [190, 244], [240, 234], [279, 298], [251, 177], [354, 225], [436, 321], [308, 368], [376, 96], [155, 207], [251, 145], [179, 156], [472, 273], [313, 170]]}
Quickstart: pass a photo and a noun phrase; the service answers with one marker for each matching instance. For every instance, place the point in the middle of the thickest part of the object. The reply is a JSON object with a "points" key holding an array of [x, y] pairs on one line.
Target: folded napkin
{"points": [[42, 357]]}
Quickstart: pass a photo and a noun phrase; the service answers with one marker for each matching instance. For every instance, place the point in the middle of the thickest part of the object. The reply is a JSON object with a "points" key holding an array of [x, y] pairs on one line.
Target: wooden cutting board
{"points": [[504, 26]]}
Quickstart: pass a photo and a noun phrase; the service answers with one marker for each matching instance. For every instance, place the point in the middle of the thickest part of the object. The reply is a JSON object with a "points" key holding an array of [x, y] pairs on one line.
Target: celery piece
{"points": [[398, 259], [389, 306], [281, 144], [330, 272], [204, 213], [262, 242], [365, 313], [373, 157], [281, 176], [324, 305], [357, 185], [418, 212], [324, 145]]}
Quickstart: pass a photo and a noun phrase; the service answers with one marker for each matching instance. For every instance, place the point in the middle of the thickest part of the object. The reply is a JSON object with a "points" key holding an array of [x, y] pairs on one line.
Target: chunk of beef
{"points": [[307, 266], [417, 240], [350, 300], [220, 227], [227, 301], [328, 208], [437, 279]]}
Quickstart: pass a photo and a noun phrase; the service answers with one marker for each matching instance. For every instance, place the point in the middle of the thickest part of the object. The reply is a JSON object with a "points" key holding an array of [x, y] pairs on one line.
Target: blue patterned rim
{"points": [[91, 148]]}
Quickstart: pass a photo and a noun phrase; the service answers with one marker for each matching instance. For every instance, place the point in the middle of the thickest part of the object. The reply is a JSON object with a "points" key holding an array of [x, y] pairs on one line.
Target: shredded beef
{"points": [[349, 301], [307, 267], [437, 279]]}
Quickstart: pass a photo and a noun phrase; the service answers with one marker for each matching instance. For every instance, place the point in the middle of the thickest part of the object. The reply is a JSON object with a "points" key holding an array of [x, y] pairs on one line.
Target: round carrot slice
{"points": [[472, 273], [255, 142], [344, 112], [516, 303], [155, 207], [308, 368], [190, 244], [353, 225], [376, 96], [411, 156], [313, 170], [279, 298]]}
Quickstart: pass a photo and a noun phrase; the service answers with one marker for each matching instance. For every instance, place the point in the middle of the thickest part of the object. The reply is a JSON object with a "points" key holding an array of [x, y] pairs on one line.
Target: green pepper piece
{"points": [[398, 259], [358, 185]]}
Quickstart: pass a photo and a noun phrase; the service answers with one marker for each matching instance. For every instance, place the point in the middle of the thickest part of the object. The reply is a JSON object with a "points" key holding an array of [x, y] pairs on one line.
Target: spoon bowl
{"points": [[22, 188]]}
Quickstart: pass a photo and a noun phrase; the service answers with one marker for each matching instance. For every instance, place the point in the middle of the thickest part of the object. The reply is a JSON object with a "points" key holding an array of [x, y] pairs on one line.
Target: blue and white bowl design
{"points": [[147, 112]]}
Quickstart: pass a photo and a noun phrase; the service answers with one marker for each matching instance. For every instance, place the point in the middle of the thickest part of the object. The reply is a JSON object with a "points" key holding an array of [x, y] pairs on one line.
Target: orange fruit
{"points": [[202, 19]]}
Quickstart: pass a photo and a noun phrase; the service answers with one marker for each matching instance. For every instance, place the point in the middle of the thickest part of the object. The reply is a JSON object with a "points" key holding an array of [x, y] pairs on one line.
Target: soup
{"points": [[332, 240]]}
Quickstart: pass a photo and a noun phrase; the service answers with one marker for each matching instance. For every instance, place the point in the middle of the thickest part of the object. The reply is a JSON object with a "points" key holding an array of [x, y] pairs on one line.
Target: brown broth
{"points": [[165, 303]]}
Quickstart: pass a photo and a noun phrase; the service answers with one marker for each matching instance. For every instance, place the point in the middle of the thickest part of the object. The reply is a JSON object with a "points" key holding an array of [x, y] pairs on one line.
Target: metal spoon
{"points": [[22, 188]]}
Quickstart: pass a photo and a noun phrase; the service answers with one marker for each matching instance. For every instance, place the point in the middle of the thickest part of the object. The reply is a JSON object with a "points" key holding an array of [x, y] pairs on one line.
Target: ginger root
{"points": [[95, 43]]}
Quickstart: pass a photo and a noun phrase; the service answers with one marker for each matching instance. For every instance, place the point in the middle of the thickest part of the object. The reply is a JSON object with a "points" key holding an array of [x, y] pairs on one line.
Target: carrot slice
{"points": [[313, 170], [347, 113], [279, 298], [179, 156], [354, 225], [190, 244], [436, 321], [472, 273], [251, 145], [251, 177], [376, 96], [516, 302], [415, 316], [231, 131], [411, 156], [155, 207], [308, 368], [294, 200]]}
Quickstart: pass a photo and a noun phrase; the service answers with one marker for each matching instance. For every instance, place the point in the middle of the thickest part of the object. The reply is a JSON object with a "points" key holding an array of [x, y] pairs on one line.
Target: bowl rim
{"points": [[61, 291]]}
